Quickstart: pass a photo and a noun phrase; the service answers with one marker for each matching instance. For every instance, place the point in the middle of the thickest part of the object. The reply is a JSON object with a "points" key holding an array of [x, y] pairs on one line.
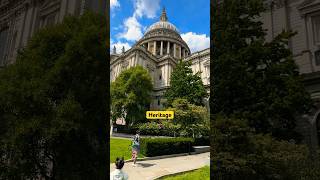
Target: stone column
{"points": [[63, 10], [168, 75], [136, 62], [161, 48], [183, 52], [174, 50], [155, 48], [180, 52], [149, 47], [168, 48]]}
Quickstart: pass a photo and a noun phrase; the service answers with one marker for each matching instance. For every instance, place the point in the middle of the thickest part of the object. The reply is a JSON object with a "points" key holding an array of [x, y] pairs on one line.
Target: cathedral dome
{"points": [[162, 25], [163, 38]]}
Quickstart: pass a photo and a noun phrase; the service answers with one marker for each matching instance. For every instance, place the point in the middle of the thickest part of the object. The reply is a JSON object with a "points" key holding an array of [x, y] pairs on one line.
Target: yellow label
{"points": [[160, 114]]}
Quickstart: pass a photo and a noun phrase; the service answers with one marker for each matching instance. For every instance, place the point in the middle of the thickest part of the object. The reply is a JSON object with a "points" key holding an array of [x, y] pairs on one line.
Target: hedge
{"points": [[165, 146], [202, 141], [159, 129], [125, 129]]}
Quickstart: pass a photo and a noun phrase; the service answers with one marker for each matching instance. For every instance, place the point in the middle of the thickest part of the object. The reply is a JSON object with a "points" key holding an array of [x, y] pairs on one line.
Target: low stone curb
{"points": [[165, 156], [172, 174]]}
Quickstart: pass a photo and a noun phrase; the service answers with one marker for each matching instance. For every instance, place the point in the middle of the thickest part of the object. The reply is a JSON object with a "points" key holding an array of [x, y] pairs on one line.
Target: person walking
{"points": [[118, 174], [135, 147]]}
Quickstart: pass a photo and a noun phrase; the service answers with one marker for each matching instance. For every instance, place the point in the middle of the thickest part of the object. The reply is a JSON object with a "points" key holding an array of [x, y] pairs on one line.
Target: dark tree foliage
{"points": [[131, 95], [53, 104], [239, 153], [252, 78], [186, 85]]}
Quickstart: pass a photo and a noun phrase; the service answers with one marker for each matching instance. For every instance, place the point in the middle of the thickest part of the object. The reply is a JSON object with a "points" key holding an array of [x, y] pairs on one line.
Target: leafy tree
{"points": [[53, 104], [131, 95], [185, 84], [240, 153], [256, 91], [251, 78], [192, 118]]}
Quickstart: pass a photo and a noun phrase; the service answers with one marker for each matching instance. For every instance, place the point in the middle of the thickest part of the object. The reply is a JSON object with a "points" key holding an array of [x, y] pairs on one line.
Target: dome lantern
{"points": [[163, 16]]}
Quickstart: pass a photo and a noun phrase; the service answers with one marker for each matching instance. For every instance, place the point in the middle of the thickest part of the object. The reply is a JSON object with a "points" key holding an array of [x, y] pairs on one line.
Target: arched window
{"points": [[3, 43], [318, 128]]}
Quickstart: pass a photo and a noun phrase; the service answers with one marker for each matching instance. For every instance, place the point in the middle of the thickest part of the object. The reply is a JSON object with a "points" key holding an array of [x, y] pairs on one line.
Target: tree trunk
{"points": [[111, 127]]}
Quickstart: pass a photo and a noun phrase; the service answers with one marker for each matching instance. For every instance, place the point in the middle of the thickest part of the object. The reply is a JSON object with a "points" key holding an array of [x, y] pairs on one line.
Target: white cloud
{"points": [[132, 29], [196, 42], [119, 46], [114, 3], [148, 8]]}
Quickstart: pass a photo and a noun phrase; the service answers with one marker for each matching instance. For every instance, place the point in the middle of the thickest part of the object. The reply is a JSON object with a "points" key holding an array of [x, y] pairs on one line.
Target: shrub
{"points": [[159, 129], [150, 129], [187, 114], [126, 129], [170, 129], [165, 146]]}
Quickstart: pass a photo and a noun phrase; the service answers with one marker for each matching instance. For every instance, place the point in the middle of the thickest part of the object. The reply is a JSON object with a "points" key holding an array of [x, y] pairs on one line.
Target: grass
{"points": [[202, 173], [120, 148]]}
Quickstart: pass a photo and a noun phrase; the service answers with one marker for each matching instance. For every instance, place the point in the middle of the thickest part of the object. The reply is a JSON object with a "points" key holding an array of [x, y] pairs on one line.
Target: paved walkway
{"points": [[129, 136], [152, 169]]}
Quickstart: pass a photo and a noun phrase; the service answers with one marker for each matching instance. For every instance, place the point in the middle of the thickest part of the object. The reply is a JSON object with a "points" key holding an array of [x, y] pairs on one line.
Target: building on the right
{"points": [[302, 16]]}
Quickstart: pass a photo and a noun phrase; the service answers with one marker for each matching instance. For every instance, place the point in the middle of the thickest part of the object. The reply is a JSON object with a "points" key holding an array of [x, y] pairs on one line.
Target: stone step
{"points": [[201, 149]]}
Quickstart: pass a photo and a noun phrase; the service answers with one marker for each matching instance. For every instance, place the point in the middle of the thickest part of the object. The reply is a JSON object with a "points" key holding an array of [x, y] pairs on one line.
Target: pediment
{"points": [[168, 58], [306, 3], [49, 6], [309, 6], [47, 3]]}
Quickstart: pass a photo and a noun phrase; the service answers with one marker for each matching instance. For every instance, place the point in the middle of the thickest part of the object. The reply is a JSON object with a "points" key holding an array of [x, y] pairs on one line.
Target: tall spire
{"points": [[163, 16], [114, 50]]}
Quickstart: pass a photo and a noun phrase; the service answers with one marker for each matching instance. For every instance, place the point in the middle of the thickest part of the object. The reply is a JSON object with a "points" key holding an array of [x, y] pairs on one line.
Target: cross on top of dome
{"points": [[163, 23], [163, 16]]}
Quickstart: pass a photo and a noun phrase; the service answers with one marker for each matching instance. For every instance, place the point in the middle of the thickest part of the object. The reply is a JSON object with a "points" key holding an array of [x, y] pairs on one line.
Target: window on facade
{"points": [[14, 42], [158, 101], [50, 19], [171, 49], [206, 71], [160, 77], [317, 57], [177, 51], [316, 29], [318, 128], [164, 47], [3, 41], [158, 45]]}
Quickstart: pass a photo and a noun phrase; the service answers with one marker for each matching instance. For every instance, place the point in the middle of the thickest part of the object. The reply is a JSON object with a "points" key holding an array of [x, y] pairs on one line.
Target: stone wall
{"points": [[20, 19]]}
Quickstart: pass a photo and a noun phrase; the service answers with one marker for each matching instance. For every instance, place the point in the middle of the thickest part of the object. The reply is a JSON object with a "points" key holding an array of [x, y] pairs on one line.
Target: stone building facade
{"points": [[20, 19], [159, 50], [302, 16]]}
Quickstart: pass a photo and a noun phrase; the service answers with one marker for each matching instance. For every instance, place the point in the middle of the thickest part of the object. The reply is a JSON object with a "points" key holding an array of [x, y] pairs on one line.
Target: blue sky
{"points": [[131, 18]]}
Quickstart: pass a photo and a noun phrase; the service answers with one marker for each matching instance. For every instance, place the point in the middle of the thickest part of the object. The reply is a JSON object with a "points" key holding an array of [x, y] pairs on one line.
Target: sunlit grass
{"points": [[120, 148], [202, 173]]}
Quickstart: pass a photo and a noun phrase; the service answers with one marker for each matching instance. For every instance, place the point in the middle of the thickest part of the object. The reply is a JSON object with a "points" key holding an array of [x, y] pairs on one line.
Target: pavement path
{"points": [[152, 169], [129, 136]]}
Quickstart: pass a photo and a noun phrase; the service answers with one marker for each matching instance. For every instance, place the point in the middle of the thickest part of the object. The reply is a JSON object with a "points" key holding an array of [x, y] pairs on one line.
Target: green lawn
{"points": [[202, 173], [120, 148]]}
